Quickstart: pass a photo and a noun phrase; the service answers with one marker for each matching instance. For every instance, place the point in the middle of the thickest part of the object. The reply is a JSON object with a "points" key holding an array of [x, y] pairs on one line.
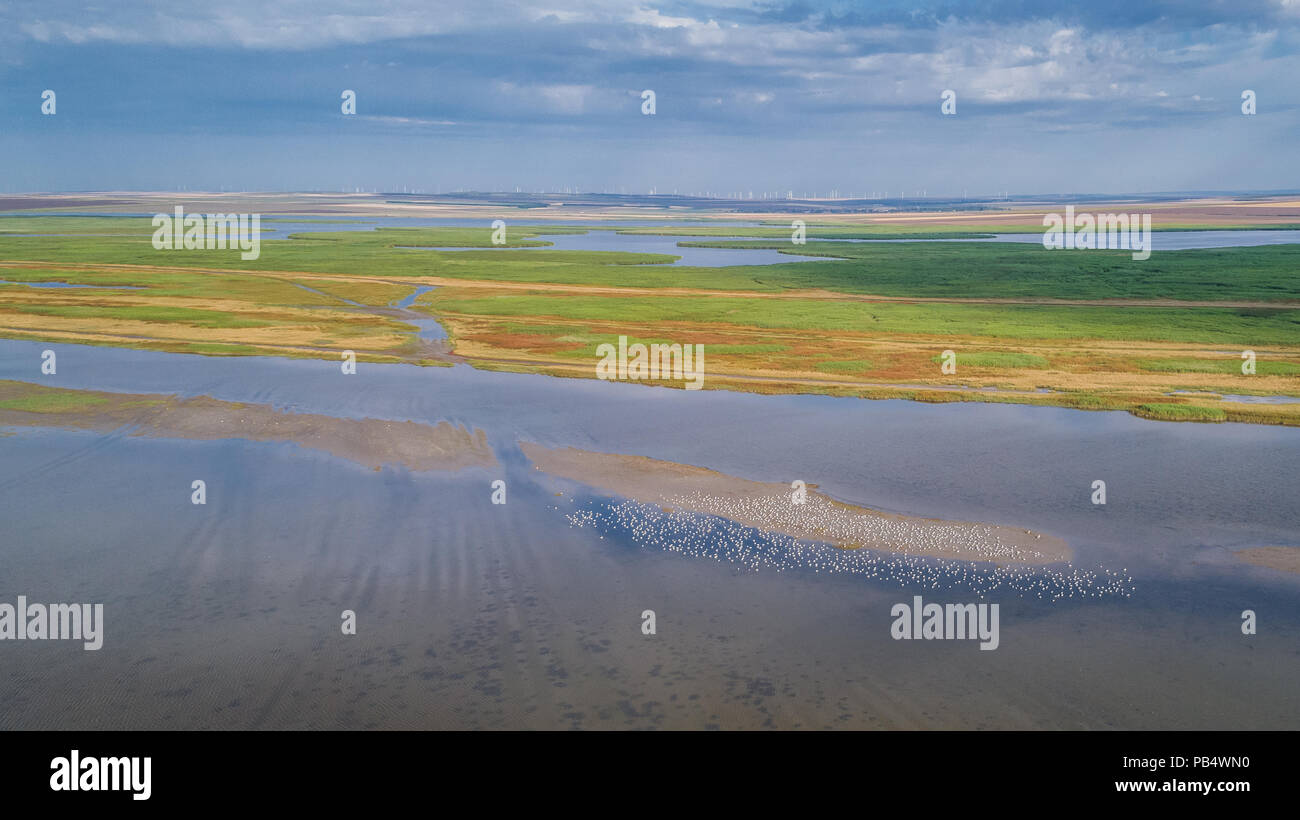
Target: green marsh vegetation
{"points": [[1101, 356], [942, 270]]}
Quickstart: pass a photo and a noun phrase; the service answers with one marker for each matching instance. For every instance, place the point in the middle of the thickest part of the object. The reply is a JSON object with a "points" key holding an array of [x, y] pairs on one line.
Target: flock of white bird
{"points": [[818, 518], [717, 537]]}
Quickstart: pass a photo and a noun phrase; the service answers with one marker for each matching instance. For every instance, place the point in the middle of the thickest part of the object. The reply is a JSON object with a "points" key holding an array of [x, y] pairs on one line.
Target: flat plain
{"points": [[1161, 338]]}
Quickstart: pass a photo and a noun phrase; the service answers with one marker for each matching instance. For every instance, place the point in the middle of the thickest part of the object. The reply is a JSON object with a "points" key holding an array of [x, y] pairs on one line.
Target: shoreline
{"points": [[443, 353], [1066, 352]]}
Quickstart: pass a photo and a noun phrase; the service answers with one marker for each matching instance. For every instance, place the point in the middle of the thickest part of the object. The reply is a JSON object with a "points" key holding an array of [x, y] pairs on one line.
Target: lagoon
{"points": [[478, 615]]}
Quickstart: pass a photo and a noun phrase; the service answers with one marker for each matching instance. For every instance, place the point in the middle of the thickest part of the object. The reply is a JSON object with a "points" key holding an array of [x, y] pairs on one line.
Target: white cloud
{"points": [[652, 17], [414, 121], [561, 99]]}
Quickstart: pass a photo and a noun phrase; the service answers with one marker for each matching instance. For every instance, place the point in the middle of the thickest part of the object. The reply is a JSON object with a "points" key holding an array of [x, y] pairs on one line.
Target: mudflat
{"points": [[372, 442], [1283, 559], [772, 507]]}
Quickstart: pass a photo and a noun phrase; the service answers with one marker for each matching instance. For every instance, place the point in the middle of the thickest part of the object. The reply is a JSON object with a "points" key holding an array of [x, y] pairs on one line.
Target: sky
{"points": [[1107, 96]]}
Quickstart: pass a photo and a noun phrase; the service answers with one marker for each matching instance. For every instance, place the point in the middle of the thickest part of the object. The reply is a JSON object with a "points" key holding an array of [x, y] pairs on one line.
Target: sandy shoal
{"points": [[1283, 559], [372, 442], [768, 507]]}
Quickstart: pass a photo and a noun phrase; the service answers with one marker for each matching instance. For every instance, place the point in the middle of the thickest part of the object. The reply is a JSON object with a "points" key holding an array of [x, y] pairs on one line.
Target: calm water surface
{"points": [[479, 615], [473, 615]]}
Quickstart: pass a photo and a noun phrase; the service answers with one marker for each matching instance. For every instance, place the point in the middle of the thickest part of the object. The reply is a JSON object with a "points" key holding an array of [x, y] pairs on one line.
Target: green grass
{"points": [[589, 342], [976, 270], [963, 270], [147, 313], [184, 284], [1180, 412], [780, 229], [218, 349], [995, 359], [1228, 365], [850, 366], [55, 401], [1202, 325], [125, 225], [536, 330]]}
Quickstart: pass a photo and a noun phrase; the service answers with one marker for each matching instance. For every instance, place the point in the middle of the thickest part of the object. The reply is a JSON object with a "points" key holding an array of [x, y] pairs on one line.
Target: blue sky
{"points": [[1093, 97]]}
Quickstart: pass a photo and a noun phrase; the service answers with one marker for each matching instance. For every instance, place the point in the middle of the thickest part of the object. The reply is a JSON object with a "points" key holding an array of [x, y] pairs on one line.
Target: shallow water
{"points": [[479, 615], [70, 285], [1243, 398], [282, 227], [601, 240], [1261, 399], [634, 243], [428, 329]]}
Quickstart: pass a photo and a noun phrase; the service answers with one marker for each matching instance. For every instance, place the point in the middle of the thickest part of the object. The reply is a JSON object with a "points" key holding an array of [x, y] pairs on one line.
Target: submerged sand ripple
{"points": [[1282, 559]]}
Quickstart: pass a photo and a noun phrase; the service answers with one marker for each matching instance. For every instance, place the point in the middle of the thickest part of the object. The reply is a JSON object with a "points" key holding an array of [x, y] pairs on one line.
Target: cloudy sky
{"points": [[1106, 96]]}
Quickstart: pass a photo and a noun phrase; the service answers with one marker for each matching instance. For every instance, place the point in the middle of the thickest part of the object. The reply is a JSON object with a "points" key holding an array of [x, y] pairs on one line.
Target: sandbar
{"points": [[372, 442], [770, 507]]}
